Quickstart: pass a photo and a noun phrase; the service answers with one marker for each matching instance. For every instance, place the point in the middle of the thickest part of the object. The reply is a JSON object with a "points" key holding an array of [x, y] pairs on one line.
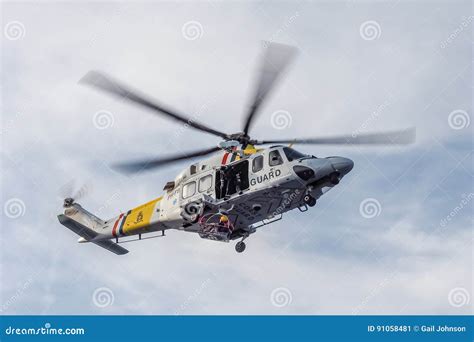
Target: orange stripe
{"points": [[114, 233]]}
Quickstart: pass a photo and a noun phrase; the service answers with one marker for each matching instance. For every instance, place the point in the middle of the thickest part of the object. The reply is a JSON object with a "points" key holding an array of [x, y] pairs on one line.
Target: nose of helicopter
{"points": [[342, 165]]}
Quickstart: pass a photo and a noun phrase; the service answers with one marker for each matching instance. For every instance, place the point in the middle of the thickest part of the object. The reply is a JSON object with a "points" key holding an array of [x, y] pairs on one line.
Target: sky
{"points": [[394, 237]]}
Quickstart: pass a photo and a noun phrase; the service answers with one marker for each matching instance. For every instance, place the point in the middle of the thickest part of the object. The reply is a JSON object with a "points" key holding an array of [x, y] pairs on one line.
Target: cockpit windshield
{"points": [[292, 154]]}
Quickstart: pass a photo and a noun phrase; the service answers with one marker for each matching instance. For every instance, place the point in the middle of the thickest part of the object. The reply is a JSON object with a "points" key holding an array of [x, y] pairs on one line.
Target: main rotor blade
{"points": [[276, 59], [114, 87], [145, 165], [402, 137]]}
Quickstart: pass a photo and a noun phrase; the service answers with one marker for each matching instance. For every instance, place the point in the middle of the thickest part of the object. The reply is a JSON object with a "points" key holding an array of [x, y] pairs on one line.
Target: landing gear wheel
{"points": [[309, 200], [240, 247]]}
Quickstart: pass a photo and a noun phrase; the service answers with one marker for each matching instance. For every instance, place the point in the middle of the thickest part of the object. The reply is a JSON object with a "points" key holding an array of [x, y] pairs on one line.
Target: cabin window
{"points": [[257, 164], [205, 183], [275, 158], [192, 169], [189, 189]]}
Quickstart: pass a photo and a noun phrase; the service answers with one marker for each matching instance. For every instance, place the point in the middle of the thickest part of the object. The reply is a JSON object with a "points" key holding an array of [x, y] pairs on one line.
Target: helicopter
{"points": [[240, 186]]}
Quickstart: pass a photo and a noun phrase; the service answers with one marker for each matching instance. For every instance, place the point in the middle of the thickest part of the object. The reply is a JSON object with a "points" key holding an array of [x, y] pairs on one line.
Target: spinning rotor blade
{"points": [[83, 191], [402, 137], [144, 165], [69, 196], [67, 189], [111, 86], [276, 59]]}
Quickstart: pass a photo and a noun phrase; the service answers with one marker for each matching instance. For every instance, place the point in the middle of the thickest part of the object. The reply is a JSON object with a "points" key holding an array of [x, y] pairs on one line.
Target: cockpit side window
{"points": [[257, 164], [292, 154], [274, 158]]}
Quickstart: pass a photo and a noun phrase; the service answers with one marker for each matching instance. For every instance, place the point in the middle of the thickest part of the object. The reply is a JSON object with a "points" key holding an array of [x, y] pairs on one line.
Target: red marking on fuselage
{"points": [[226, 155], [115, 226], [224, 158]]}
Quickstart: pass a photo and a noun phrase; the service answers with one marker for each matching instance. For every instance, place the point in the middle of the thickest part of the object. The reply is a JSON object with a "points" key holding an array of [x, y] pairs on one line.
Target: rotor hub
{"points": [[68, 202], [241, 137]]}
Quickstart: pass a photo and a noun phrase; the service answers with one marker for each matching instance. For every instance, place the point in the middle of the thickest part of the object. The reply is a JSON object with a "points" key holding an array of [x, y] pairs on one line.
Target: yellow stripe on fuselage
{"points": [[139, 217]]}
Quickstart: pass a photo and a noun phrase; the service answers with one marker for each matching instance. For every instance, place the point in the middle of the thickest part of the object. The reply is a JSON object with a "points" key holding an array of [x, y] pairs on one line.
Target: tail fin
{"points": [[84, 224]]}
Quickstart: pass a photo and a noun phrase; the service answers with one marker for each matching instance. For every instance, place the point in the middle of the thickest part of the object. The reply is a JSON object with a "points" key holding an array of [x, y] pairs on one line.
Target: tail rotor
{"points": [[70, 194]]}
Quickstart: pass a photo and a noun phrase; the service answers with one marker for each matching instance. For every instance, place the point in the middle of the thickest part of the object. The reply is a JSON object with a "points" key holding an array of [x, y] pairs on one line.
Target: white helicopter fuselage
{"points": [[249, 189]]}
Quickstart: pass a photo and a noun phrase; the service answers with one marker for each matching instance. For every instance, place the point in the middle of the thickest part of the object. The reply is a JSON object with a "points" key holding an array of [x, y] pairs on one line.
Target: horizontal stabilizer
{"points": [[111, 246], [90, 234]]}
